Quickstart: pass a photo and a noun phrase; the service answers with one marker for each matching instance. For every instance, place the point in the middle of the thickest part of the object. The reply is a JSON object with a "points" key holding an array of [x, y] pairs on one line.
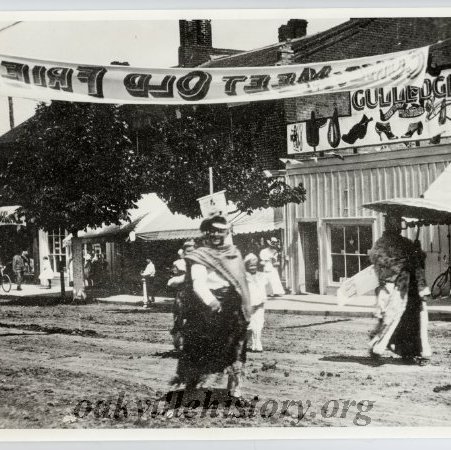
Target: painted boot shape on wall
{"points": [[358, 131], [386, 129], [442, 114], [333, 133], [312, 127], [416, 127]]}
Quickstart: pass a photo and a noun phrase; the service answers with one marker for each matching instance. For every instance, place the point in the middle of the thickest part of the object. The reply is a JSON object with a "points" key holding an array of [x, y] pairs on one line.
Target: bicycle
{"points": [[442, 284], [6, 280]]}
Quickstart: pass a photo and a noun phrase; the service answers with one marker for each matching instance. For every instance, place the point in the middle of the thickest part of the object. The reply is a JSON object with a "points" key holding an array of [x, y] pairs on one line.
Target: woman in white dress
{"points": [[269, 259], [46, 274], [257, 283]]}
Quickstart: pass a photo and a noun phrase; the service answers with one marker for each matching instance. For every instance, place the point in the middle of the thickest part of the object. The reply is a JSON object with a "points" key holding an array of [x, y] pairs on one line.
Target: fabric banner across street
{"points": [[48, 80]]}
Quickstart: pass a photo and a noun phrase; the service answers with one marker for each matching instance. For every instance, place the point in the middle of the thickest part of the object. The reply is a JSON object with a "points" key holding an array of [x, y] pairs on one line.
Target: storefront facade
{"points": [[330, 234]]}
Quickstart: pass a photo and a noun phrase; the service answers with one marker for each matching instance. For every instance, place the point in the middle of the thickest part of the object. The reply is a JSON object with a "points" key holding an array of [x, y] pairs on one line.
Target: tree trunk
{"points": [[79, 292]]}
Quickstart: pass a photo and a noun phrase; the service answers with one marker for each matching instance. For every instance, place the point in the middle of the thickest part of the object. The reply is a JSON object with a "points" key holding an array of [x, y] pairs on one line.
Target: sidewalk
{"points": [[306, 304]]}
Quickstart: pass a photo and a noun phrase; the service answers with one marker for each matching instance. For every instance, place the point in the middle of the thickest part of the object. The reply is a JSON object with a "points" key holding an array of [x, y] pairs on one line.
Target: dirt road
{"points": [[110, 366]]}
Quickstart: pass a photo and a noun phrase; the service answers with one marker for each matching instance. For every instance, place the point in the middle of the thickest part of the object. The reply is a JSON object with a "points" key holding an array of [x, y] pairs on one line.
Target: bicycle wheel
{"points": [[441, 286], [6, 283]]}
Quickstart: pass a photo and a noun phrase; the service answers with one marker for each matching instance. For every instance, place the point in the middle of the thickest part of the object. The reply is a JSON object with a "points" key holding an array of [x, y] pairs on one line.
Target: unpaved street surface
{"points": [[68, 366]]}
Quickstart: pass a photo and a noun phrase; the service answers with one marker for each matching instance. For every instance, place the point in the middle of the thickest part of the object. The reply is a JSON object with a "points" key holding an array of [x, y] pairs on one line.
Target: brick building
{"points": [[327, 238]]}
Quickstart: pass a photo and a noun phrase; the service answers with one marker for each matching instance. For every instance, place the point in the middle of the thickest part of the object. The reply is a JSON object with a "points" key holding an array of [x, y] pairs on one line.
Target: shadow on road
{"points": [[210, 399], [154, 308], [43, 301], [307, 325], [169, 354], [365, 360]]}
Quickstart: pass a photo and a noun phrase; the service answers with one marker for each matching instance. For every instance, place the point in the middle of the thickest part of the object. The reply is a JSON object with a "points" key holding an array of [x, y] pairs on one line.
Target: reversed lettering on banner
{"points": [[46, 80]]}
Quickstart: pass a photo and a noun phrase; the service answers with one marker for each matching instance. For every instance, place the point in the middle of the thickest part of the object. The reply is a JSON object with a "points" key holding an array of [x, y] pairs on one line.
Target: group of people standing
{"points": [[95, 269], [220, 300], [219, 304], [23, 264]]}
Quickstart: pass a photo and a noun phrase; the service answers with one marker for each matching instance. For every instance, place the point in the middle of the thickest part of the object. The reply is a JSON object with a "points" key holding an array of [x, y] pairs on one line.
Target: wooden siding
{"points": [[337, 190]]}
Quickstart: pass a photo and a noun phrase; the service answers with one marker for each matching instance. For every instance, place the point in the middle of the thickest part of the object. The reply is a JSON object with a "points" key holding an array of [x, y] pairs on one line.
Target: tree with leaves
{"points": [[74, 167], [180, 146]]}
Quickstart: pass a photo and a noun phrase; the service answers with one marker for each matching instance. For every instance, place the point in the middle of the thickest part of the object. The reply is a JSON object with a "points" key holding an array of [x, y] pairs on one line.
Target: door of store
{"points": [[309, 243]]}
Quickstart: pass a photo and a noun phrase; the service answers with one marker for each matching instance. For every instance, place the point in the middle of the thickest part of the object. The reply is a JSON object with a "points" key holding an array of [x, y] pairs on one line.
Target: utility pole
{"points": [[210, 175]]}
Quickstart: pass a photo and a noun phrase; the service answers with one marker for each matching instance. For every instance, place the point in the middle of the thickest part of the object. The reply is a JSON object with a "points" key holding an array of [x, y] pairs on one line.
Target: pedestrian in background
{"points": [[257, 283], [87, 270], [149, 279], [177, 282], [46, 274], [20, 262], [270, 261]]}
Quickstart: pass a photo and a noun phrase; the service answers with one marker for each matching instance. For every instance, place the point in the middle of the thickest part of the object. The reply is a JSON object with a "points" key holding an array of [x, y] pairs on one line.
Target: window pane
{"points": [[338, 267], [352, 239], [336, 239], [366, 239], [364, 262], [352, 265]]}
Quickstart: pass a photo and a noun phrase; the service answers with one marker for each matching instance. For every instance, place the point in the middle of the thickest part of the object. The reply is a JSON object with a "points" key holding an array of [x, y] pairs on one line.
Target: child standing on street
{"points": [[46, 274], [257, 282]]}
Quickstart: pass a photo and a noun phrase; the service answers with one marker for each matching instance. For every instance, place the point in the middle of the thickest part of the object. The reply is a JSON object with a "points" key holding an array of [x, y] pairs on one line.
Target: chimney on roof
{"points": [[295, 28], [195, 42]]}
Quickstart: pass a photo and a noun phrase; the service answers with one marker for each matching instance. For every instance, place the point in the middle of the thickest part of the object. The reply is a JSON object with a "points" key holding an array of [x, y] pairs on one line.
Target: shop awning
{"points": [[259, 221], [433, 208], [422, 209], [169, 226], [148, 207]]}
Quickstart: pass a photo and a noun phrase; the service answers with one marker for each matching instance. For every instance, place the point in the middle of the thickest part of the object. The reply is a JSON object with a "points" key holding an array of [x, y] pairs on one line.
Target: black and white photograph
{"points": [[225, 220]]}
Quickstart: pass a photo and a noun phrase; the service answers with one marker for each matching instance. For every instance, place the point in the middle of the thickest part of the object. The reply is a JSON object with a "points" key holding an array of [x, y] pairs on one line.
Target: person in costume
{"points": [[402, 292], [257, 283], [177, 282], [46, 274], [217, 310], [269, 258]]}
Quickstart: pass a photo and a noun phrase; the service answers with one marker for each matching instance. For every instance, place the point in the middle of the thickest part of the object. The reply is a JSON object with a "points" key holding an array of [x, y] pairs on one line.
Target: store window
{"points": [[349, 249], [57, 249]]}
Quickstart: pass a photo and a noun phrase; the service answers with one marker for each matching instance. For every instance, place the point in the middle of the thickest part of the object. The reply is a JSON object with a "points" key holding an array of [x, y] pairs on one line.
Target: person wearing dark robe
{"points": [[177, 282], [402, 292], [217, 311]]}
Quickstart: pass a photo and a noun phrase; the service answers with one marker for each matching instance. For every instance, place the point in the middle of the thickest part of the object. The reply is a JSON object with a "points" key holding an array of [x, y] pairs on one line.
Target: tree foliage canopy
{"points": [[74, 167], [180, 149]]}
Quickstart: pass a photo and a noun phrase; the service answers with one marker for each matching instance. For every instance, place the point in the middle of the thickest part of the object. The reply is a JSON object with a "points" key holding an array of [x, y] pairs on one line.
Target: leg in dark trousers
{"points": [[19, 277], [150, 288]]}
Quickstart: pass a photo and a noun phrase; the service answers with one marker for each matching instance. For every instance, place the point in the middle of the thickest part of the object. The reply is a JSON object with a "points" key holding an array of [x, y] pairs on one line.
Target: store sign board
{"points": [[379, 115], [50, 80], [213, 204]]}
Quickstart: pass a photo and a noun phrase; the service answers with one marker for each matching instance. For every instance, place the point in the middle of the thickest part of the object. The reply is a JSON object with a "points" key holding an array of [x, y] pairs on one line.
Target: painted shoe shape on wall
{"points": [[358, 131], [385, 128], [416, 127], [333, 133]]}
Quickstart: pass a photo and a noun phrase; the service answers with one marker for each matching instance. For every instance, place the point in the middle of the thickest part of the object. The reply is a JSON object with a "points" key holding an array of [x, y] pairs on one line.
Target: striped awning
{"points": [[259, 221], [169, 226]]}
